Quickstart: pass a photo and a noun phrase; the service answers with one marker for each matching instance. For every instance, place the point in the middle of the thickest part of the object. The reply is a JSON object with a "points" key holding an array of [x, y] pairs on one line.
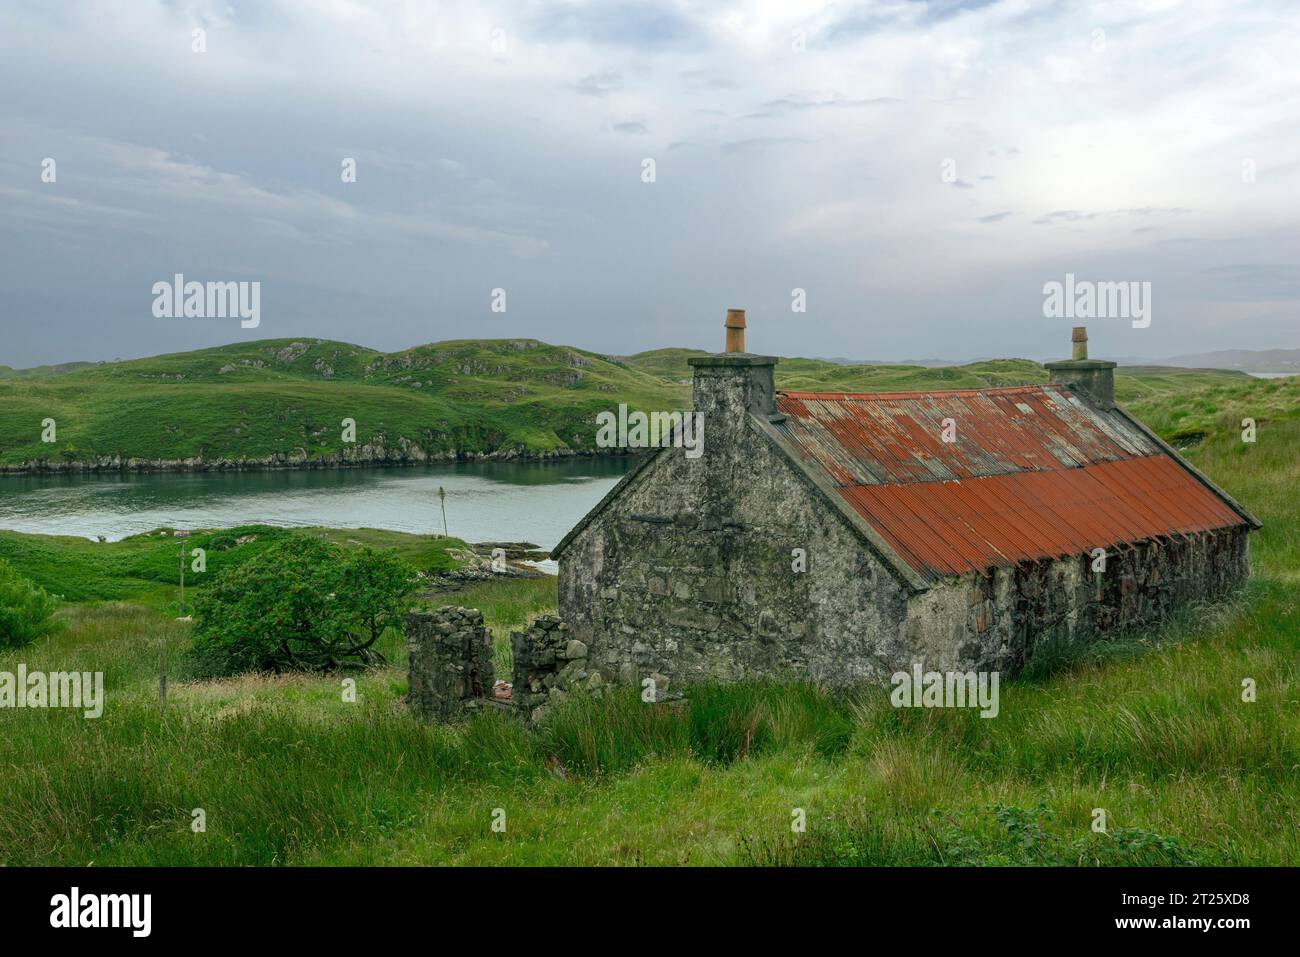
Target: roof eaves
{"points": [[816, 477]]}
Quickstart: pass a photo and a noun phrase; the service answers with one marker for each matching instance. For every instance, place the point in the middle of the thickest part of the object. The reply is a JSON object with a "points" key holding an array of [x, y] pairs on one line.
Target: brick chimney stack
{"points": [[1096, 377], [730, 384]]}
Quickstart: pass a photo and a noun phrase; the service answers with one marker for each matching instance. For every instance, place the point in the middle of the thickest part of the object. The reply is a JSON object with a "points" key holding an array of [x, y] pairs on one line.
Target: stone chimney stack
{"points": [[732, 383], [1096, 377]]}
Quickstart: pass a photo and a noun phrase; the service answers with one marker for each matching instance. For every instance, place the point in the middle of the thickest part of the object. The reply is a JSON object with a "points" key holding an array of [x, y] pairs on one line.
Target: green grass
{"points": [[145, 568], [285, 397], [1151, 728], [258, 399]]}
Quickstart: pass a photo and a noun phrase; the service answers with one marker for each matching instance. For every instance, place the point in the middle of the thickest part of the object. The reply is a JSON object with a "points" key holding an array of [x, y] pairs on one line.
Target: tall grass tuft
{"points": [[716, 724]]}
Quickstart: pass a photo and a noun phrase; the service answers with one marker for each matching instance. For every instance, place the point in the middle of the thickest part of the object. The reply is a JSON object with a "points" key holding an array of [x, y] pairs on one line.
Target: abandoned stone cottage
{"points": [[844, 537]]}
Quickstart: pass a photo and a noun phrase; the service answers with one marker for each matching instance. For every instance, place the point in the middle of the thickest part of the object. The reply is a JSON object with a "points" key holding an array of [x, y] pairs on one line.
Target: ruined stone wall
{"points": [[549, 664], [689, 575], [450, 671], [994, 622]]}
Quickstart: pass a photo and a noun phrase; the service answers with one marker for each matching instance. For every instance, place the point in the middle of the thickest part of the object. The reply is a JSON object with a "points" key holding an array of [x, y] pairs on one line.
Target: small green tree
{"points": [[302, 605], [26, 609]]}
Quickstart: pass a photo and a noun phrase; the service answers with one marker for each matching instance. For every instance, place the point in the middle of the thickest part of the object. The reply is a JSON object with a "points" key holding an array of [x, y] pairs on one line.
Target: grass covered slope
{"points": [[283, 401], [1151, 727], [145, 569], [813, 375], [288, 397]]}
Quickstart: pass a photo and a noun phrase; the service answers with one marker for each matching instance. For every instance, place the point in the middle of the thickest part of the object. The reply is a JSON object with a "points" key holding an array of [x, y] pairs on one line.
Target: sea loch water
{"points": [[531, 501]]}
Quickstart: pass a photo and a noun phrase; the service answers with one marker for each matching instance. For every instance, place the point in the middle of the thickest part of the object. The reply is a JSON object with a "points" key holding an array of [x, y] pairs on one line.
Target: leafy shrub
{"points": [[301, 605], [25, 609]]}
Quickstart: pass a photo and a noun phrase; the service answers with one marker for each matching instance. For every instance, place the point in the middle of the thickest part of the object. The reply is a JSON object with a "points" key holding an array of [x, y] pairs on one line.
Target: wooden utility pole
{"points": [[442, 498], [182, 536]]}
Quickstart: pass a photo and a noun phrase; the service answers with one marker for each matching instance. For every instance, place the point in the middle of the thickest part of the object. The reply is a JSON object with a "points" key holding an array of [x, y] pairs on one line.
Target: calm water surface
{"points": [[534, 502]]}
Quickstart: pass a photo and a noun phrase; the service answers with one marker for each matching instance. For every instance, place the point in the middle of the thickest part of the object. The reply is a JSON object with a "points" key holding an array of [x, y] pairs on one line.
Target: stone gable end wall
{"points": [[688, 575]]}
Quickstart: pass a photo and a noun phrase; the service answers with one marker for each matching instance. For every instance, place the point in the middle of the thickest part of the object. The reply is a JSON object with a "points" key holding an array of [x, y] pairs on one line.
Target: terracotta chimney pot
{"points": [[1079, 342], [735, 330]]}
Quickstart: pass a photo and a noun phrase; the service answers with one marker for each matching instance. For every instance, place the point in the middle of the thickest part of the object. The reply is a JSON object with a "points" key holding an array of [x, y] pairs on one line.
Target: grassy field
{"points": [[256, 400], [1150, 727], [144, 569]]}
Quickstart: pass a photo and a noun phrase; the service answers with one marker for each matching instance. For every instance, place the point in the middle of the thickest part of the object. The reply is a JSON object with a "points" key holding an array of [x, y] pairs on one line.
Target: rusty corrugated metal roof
{"points": [[974, 524], [889, 437], [1034, 472]]}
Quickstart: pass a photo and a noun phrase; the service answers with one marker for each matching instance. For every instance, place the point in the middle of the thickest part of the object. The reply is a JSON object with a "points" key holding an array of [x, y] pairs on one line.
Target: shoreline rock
{"points": [[364, 457]]}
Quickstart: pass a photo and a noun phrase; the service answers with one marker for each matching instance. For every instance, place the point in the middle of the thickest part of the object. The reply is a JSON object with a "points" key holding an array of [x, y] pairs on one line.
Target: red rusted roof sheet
{"points": [[889, 437], [1033, 472], [951, 528]]}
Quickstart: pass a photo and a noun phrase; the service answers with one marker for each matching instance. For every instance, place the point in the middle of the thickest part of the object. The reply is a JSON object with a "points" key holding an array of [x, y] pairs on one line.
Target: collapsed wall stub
{"points": [[450, 672], [549, 664]]}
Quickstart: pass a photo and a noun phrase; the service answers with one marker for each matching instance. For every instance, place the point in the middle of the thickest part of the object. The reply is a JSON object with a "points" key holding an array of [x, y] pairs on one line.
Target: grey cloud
{"points": [[597, 84], [1074, 215], [1256, 282], [646, 25], [705, 80], [760, 143], [1064, 216], [795, 104]]}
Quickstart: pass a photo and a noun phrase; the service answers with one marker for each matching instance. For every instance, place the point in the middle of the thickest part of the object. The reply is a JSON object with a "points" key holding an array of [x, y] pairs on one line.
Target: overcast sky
{"points": [[796, 145]]}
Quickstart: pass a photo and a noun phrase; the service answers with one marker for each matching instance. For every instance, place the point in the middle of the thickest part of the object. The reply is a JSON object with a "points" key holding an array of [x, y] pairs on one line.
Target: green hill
{"points": [[287, 398], [1131, 383], [8, 372], [283, 401]]}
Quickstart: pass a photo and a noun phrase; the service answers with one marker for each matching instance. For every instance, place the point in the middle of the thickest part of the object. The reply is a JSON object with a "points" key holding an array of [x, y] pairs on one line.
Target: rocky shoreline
{"points": [[364, 456]]}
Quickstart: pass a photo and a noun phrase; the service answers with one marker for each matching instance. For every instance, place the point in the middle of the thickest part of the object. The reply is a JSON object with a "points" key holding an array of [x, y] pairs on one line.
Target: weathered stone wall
{"points": [[689, 575], [549, 664], [450, 671], [995, 622]]}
